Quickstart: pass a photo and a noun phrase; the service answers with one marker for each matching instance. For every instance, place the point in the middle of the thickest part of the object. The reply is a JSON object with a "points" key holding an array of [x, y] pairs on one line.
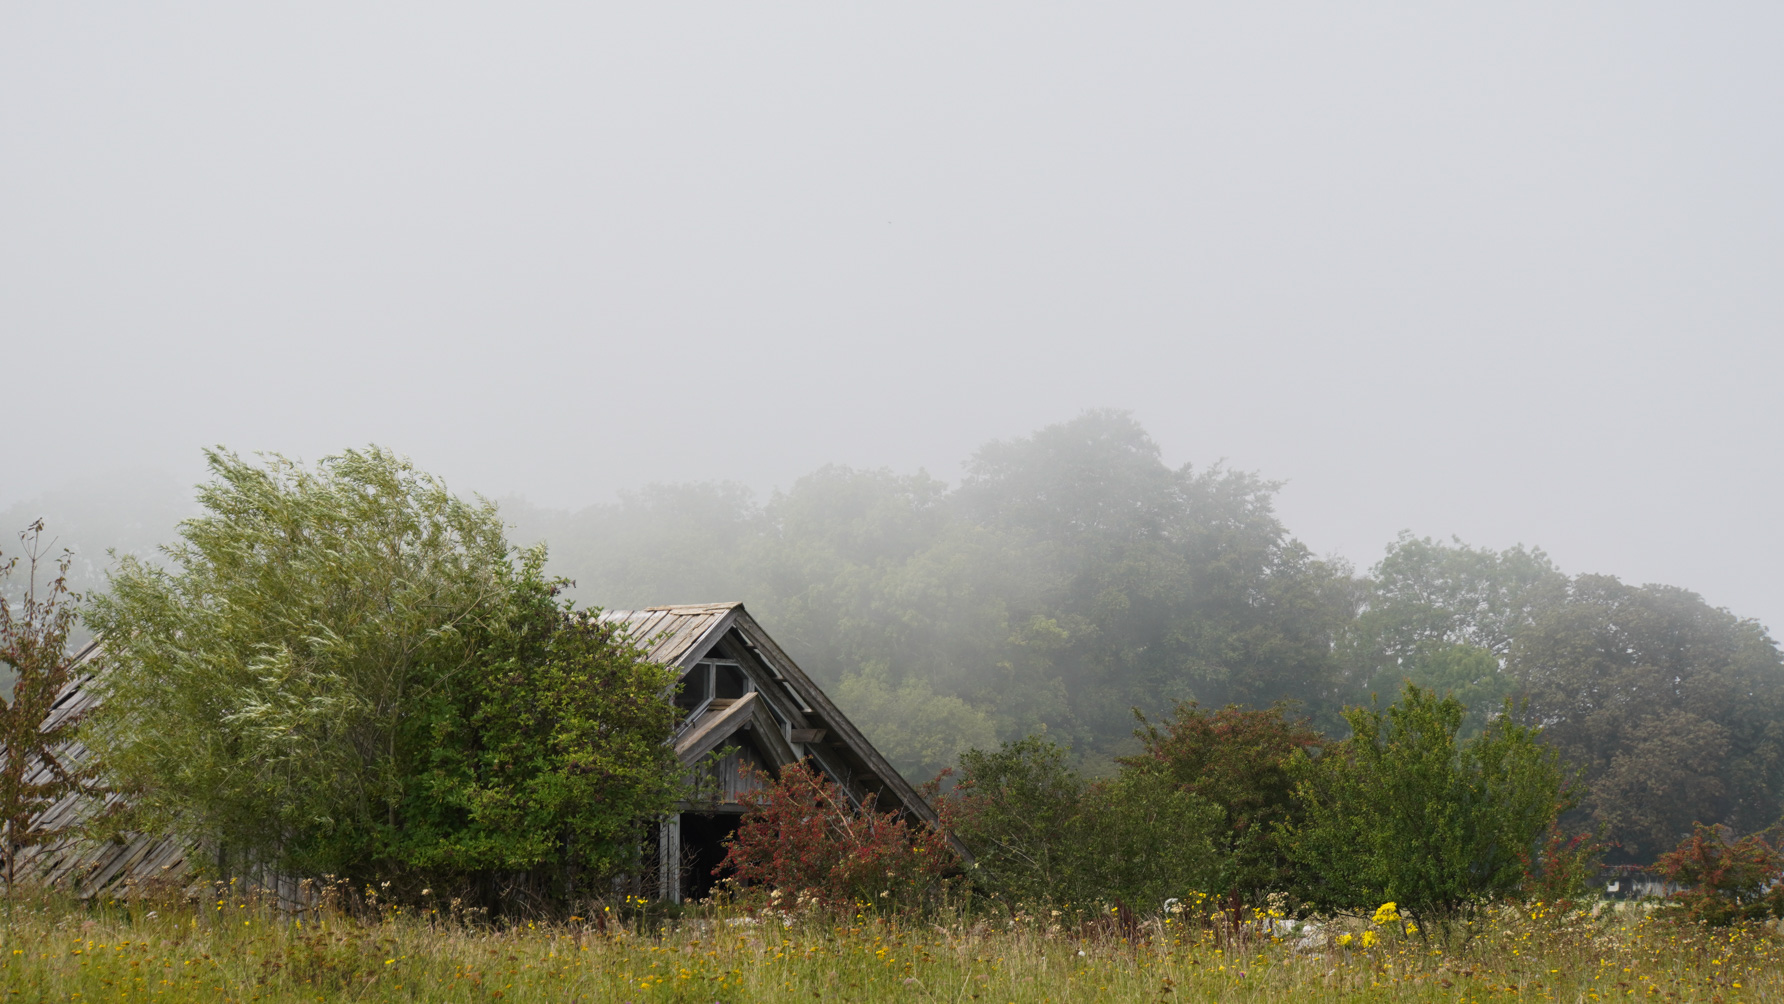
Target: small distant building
{"points": [[739, 691]]}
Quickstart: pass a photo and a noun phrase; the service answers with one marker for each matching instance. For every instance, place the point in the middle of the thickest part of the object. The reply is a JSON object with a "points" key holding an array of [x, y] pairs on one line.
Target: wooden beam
{"points": [[706, 735]]}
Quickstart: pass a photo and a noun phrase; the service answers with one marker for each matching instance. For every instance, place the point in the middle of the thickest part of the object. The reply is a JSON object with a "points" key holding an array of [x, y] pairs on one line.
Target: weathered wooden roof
{"points": [[677, 635]]}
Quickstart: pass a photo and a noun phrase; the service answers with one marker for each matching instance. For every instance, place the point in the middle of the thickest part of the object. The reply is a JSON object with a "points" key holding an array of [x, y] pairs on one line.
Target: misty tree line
{"points": [[346, 670], [1072, 577]]}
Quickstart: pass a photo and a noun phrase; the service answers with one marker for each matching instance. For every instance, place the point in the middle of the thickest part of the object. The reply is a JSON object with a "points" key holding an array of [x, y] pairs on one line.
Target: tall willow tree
{"points": [[345, 669]]}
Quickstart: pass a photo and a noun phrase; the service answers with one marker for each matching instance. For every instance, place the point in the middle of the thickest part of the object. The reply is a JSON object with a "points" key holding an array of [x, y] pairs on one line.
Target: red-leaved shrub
{"points": [[802, 836], [1564, 871], [1726, 881]]}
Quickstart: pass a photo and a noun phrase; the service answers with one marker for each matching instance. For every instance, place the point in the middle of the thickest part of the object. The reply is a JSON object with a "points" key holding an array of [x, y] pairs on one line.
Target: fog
{"points": [[1508, 273]]}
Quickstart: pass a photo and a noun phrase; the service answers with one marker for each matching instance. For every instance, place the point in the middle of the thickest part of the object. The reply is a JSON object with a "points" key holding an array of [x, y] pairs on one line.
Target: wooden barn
{"points": [[739, 690]]}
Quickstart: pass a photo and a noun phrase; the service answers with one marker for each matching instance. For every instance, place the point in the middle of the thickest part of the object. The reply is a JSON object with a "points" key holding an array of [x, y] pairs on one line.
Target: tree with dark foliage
{"points": [[1444, 616], [1041, 835], [1238, 759], [1673, 710]]}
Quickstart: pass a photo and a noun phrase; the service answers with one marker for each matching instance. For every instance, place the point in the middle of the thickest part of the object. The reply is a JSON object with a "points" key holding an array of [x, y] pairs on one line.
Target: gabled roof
{"points": [[681, 636]]}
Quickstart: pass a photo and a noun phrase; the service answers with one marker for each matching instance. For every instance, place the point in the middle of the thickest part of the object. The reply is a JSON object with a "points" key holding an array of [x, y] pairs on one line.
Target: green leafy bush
{"points": [[1401, 812], [1016, 809], [1143, 840], [1239, 760], [1041, 835]]}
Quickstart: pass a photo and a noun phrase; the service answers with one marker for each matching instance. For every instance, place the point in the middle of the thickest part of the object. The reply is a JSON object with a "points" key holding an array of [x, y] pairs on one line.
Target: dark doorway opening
{"points": [[703, 836]]}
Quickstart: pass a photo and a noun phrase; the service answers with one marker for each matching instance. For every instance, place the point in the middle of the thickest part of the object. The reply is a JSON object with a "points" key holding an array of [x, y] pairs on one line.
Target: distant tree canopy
{"points": [[345, 669], [1673, 710], [1444, 617], [1072, 576]]}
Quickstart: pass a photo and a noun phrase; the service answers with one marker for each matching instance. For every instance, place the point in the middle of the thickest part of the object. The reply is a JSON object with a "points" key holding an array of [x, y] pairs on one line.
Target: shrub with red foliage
{"points": [[1564, 871], [802, 835], [1726, 881]]}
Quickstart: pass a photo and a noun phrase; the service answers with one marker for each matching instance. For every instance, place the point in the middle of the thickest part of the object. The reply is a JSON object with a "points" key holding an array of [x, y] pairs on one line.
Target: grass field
{"points": [[233, 950]]}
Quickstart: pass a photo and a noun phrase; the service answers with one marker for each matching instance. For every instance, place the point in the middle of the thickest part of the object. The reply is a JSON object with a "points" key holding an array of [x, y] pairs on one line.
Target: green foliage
{"points": [[1473, 676], [343, 670], [1017, 809], [1071, 577], [1444, 616], [1144, 840], [1238, 760], [1425, 594], [1074, 576], [35, 769], [920, 732], [1673, 709], [1726, 881], [1041, 836], [555, 755], [1401, 812]]}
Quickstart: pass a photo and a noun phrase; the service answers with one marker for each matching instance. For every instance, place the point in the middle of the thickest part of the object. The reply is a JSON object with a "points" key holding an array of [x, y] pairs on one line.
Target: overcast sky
{"points": [[1508, 271]]}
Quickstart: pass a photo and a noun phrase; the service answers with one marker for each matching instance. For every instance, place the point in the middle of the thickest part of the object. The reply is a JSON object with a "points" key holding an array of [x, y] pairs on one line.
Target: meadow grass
{"points": [[236, 950]]}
